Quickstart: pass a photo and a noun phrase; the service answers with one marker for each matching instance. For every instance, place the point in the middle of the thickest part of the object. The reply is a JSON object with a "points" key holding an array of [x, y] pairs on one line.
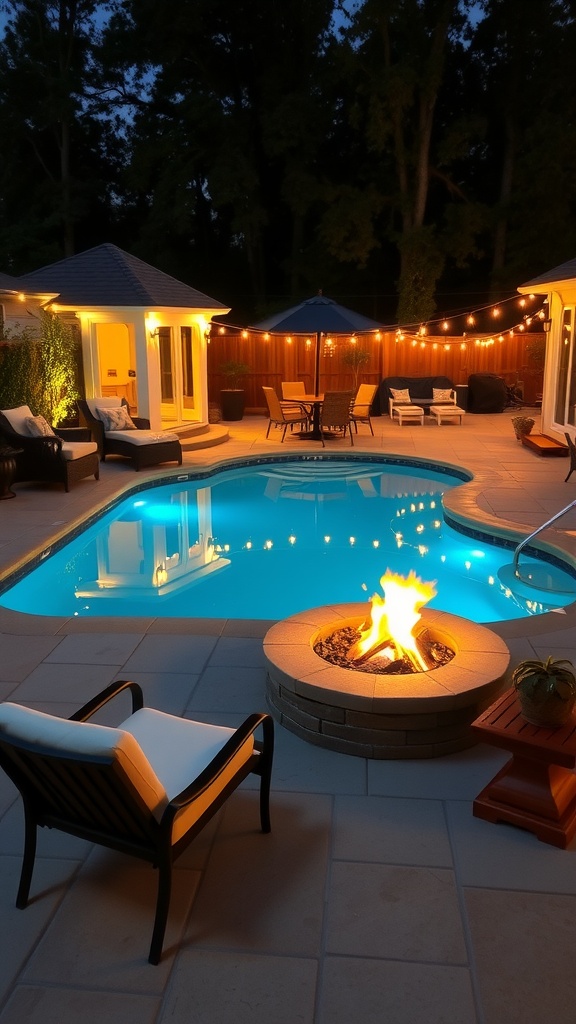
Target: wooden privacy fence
{"points": [[275, 359]]}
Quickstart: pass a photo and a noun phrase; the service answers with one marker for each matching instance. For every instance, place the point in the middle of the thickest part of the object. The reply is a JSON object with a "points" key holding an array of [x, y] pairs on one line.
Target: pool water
{"points": [[268, 540]]}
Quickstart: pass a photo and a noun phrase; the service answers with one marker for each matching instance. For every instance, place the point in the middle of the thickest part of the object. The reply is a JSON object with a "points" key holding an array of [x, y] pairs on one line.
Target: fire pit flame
{"points": [[391, 625]]}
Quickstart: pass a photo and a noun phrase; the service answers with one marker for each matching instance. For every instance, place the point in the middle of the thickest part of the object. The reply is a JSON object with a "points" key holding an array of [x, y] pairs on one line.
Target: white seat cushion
{"points": [[77, 449], [178, 750], [111, 402], [141, 436], [90, 740], [17, 418]]}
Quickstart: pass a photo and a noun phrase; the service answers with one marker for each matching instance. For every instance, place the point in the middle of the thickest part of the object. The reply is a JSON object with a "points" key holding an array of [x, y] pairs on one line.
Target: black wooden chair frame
{"points": [[89, 798]]}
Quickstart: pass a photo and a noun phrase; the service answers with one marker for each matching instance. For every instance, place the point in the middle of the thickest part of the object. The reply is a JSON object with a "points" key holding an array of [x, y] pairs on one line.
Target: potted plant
{"points": [[356, 358], [232, 397], [522, 426], [546, 691]]}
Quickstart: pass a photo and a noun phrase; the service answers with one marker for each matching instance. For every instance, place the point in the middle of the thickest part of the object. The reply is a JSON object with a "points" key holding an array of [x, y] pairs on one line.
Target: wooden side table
{"points": [[536, 788], [7, 470]]}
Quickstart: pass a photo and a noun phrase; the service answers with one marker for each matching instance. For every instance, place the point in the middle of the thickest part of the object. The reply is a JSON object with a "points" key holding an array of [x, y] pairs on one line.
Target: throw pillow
{"points": [[116, 419], [442, 394], [38, 427], [400, 394]]}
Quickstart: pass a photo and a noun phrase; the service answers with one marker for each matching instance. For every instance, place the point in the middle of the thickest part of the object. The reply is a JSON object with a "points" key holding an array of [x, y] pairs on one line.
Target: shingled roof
{"points": [[9, 284], [565, 272], [108, 276]]}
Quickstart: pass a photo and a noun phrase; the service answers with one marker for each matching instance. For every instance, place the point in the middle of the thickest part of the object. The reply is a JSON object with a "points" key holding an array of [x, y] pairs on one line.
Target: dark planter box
{"points": [[232, 404]]}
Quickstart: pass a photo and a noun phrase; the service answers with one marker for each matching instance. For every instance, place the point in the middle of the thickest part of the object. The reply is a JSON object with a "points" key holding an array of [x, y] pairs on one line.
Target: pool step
{"points": [[194, 436]]}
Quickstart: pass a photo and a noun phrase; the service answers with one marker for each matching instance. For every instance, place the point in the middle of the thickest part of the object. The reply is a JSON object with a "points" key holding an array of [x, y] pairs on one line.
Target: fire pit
{"points": [[422, 712]]}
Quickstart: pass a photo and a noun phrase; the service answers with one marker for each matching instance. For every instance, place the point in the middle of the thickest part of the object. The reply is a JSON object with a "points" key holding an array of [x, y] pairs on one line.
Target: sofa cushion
{"points": [[400, 394], [442, 394]]}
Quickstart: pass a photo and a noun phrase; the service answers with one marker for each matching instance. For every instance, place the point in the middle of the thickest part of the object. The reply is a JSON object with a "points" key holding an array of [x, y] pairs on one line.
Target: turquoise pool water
{"points": [[265, 541]]}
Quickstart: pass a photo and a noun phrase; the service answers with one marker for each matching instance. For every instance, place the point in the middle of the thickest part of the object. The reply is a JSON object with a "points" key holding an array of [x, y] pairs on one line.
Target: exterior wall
{"points": [[560, 296]]}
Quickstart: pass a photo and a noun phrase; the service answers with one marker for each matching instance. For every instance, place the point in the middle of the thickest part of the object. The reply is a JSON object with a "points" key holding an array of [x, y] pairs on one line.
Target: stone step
{"points": [[195, 439]]}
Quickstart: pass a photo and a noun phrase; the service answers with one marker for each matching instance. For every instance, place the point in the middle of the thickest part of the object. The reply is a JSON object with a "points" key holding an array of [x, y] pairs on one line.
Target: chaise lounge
{"points": [[116, 432]]}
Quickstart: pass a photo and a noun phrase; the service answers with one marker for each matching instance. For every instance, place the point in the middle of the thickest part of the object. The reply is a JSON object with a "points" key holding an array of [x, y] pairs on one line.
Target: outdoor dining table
{"points": [[316, 402]]}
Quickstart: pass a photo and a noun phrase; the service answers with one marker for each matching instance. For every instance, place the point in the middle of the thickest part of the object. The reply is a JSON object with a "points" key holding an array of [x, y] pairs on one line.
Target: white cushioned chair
{"points": [[145, 788], [129, 436], [66, 454]]}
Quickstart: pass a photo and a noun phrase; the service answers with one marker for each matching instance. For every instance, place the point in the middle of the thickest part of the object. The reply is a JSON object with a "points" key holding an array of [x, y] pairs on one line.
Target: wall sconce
{"points": [[154, 334], [546, 325], [160, 575], [207, 333]]}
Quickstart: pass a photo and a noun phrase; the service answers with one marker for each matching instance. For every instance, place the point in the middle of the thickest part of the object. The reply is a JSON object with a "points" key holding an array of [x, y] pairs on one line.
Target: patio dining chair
{"points": [[282, 417], [335, 414], [116, 432], [146, 788], [64, 455], [361, 406], [292, 392]]}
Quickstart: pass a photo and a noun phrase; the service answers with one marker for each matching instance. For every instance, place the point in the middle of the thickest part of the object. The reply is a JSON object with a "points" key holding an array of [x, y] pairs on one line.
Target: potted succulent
{"points": [[522, 426], [232, 397], [546, 691]]}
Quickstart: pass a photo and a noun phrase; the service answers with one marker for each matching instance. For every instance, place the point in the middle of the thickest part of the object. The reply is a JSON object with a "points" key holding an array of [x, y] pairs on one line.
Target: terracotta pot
{"points": [[550, 714]]}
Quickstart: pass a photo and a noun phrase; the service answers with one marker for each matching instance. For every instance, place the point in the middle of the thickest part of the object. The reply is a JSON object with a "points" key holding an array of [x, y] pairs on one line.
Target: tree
{"points": [[41, 370], [49, 182]]}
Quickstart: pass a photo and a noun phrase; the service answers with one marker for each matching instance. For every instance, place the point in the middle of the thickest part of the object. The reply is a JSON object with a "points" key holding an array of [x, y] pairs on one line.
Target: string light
{"points": [[423, 333]]}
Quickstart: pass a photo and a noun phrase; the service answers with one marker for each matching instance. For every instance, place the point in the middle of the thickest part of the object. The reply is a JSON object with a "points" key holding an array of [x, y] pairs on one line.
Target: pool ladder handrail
{"points": [[535, 533]]}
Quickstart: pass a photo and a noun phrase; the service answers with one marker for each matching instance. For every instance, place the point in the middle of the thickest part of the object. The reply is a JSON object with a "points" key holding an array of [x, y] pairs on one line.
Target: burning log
{"points": [[393, 619]]}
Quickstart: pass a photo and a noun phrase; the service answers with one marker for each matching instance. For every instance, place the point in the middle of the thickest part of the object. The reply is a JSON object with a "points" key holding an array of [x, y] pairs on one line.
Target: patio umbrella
{"points": [[319, 315]]}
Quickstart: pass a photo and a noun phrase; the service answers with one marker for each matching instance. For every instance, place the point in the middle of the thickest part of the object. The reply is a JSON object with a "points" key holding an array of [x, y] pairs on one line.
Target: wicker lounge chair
{"points": [[66, 455], [144, 447]]}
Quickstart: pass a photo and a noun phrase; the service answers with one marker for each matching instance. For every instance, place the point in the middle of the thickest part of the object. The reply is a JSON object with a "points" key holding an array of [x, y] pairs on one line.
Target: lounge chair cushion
{"points": [[178, 750], [17, 418], [116, 418], [142, 436], [86, 740], [103, 402], [38, 427], [72, 450]]}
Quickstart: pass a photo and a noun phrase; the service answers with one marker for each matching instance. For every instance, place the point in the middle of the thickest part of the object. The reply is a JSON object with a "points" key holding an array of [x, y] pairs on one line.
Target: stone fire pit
{"points": [[422, 714]]}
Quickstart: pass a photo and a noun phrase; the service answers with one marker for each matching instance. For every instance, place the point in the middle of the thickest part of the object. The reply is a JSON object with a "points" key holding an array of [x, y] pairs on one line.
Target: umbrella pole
{"points": [[317, 363]]}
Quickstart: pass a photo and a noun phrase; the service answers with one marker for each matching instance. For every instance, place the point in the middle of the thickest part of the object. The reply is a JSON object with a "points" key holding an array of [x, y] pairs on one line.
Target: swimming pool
{"points": [[271, 538]]}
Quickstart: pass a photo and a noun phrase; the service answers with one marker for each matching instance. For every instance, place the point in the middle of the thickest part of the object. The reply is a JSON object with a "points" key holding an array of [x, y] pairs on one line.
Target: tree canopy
{"points": [[406, 156]]}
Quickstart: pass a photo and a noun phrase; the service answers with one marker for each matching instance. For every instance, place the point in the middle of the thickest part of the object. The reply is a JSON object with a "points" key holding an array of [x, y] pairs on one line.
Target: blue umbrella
{"points": [[319, 315]]}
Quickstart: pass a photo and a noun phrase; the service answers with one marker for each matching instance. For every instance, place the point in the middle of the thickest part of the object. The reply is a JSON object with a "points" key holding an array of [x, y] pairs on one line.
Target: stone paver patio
{"points": [[378, 897]]}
